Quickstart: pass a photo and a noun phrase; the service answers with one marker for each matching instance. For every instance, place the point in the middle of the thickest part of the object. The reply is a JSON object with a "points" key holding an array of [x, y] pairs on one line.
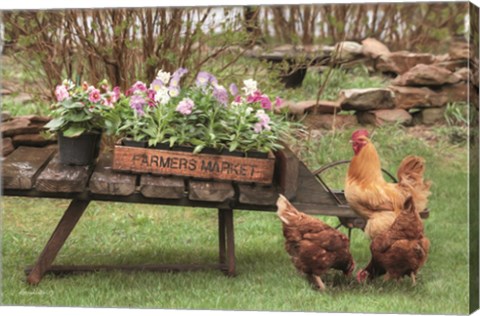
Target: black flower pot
{"points": [[162, 146], [79, 151], [234, 153], [134, 143], [256, 154], [182, 148]]}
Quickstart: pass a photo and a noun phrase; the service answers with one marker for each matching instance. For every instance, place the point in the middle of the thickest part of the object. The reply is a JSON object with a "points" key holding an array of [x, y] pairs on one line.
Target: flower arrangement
{"points": [[81, 109], [206, 115]]}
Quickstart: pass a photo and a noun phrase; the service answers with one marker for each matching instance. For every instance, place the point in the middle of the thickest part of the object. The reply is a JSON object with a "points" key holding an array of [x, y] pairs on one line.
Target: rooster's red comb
{"points": [[360, 132]]}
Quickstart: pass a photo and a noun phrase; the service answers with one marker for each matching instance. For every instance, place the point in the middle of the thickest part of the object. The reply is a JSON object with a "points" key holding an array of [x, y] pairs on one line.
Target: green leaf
{"points": [[78, 117], [198, 149], [233, 146], [74, 131], [74, 105], [55, 124]]}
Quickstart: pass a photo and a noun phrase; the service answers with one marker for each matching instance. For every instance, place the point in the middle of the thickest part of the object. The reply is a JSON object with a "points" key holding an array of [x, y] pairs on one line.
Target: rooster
{"points": [[401, 250], [373, 198], [314, 246]]}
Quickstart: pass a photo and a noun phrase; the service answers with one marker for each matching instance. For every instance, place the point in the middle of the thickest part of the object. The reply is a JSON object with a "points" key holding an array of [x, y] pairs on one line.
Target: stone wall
{"points": [[22, 131], [423, 86]]}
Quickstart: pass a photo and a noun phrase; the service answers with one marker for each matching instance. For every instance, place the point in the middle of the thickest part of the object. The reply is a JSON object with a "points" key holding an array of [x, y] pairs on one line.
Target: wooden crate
{"points": [[204, 166]]}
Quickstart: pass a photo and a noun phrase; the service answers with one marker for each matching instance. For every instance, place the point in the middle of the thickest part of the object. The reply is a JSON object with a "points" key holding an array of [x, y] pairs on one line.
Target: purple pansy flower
{"points": [[137, 102], [177, 75], [173, 91], [61, 93], [185, 106], [221, 94], [233, 89], [204, 78], [156, 84]]}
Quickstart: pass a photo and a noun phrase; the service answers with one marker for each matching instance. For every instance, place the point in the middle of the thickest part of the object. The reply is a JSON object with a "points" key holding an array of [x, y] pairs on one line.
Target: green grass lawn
{"points": [[113, 233]]}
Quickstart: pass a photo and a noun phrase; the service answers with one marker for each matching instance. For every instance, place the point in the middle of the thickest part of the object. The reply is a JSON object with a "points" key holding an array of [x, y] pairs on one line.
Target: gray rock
{"points": [[347, 51], [366, 99], [381, 117], [373, 48], [22, 98], [432, 115], [7, 146], [5, 116], [327, 121], [417, 97], [401, 62], [426, 75], [459, 50], [323, 106], [464, 73]]}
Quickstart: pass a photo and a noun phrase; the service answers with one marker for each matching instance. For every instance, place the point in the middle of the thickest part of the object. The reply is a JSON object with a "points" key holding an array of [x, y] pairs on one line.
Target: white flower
{"points": [[249, 110], [250, 86], [162, 95], [68, 84], [163, 76]]}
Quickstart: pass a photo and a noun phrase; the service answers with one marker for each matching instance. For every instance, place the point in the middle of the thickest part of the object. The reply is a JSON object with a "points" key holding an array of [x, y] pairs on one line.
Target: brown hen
{"points": [[401, 250], [313, 246]]}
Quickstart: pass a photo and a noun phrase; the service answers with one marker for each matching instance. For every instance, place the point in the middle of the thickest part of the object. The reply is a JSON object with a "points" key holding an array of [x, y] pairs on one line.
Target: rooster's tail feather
{"points": [[410, 175]]}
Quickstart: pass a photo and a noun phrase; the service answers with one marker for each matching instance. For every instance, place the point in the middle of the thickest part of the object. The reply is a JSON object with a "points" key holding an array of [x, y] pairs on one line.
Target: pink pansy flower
{"points": [[278, 102], [116, 94], [139, 86], [61, 93], [94, 96], [237, 100], [263, 122], [264, 100], [185, 106], [108, 100]]}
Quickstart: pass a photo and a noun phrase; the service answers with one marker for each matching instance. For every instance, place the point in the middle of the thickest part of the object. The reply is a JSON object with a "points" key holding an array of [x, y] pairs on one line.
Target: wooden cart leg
{"points": [[221, 238], [62, 231], [230, 241]]}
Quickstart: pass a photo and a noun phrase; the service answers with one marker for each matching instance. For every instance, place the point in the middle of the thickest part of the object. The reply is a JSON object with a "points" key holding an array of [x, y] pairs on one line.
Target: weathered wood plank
{"points": [[162, 187], [105, 181], [286, 171], [58, 177], [210, 191], [205, 166], [20, 169], [254, 194]]}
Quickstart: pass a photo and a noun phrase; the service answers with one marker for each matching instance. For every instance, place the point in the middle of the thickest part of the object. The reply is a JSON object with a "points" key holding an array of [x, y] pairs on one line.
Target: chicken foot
{"points": [[318, 281], [414, 279]]}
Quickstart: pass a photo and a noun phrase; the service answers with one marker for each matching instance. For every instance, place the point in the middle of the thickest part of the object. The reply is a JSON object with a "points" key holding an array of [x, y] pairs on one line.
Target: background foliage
{"points": [[125, 45]]}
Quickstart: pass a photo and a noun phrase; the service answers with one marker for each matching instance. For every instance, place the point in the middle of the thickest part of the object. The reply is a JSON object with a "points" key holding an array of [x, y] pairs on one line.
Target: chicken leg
{"points": [[414, 279], [318, 281]]}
